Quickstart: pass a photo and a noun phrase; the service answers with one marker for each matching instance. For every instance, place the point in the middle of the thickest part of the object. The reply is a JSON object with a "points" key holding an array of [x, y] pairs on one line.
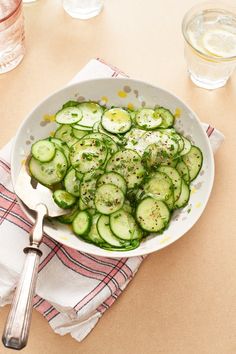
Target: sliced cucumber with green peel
{"points": [[183, 170], [113, 178], [68, 218], [104, 230], [91, 113], [43, 150], [147, 118], [116, 121], [131, 246], [156, 154], [109, 142], [63, 199], [82, 205], [170, 202], [158, 185], [82, 128], [49, 173], [81, 223], [108, 199], [128, 164], [124, 226], [112, 136], [79, 134], [88, 154], [187, 146], [72, 183], [65, 133], [193, 159], [167, 117], [69, 115], [173, 174], [93, 235], [62, 146], [152, 215], [88, 187], [95, 127], [184, 196]]}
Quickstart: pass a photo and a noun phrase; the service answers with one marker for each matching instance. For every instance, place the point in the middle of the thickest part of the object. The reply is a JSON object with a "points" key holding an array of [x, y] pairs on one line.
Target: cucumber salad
{"points": [[119, 173]]}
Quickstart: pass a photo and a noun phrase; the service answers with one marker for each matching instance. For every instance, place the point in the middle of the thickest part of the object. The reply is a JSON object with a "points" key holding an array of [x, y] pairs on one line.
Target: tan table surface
{"points": [[182, 301]]}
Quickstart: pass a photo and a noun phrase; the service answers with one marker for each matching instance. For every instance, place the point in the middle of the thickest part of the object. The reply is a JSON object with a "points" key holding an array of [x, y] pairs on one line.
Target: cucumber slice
{"points": [[105, 232], [88, 187], [133, 138], [184, 196], [175, 178], [62, 146], [81, 223], [112, 136], [43, 150], [72, 183], [155, 155], [79, 134], [108, 199], [65, 133], [88, 154], [113, 178], [182, 168], [159, 186], [70, 104], [193, 159], [63, 199], [131, 246], [187, 146], [127, 207], [95, 127], [109, 142], [167, 117], [82, 205], [116, 120], [180, 142], [49, 173], [124, 226], [147, 118], [91, 112], [81, 127], [93, 235], [69, 115], [170, 202], [68, 218], [128, 164], [152, 215]]}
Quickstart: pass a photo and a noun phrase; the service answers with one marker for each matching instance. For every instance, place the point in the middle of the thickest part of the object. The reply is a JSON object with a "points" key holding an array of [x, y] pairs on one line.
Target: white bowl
{"points": [[121, 92]]}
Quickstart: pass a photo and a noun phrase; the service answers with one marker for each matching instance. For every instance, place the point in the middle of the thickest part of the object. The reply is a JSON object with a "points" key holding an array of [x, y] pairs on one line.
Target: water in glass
{"points": [[83, 9], [210, 48]]}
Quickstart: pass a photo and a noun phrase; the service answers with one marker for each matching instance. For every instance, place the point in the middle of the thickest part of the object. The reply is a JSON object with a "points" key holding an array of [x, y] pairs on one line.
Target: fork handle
{"points": [[16, 331], [17, 326]]}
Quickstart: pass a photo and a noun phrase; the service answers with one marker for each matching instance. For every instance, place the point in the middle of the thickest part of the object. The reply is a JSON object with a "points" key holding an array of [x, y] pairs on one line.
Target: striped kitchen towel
{"points": [[73, 289]]}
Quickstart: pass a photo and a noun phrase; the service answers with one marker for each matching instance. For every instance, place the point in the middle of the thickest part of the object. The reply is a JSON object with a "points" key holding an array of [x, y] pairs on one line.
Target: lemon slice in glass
{"points": [[220, 43]]}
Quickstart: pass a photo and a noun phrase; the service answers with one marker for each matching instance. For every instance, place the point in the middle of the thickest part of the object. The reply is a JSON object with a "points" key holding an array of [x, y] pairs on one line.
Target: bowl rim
{"points": [[117, 254]]}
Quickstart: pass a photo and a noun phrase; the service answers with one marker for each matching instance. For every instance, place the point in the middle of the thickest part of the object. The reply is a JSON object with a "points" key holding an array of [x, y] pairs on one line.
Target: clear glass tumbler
{"points": [[83, 9], [12, 46], [209, 30]]}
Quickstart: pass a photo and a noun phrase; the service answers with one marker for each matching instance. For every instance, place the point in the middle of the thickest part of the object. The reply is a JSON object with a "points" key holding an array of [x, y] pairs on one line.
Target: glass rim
{"points": [[202, 54], [11, 13]]}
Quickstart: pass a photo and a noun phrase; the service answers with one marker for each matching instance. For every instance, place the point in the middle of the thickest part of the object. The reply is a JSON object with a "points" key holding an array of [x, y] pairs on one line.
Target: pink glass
{"points": [[12, 44]]}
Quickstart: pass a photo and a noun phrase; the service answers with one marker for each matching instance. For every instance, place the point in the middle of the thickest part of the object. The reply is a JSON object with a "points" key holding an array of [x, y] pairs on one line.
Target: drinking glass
{"points": [[83, 9], [12, 46], [209, 30]]}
